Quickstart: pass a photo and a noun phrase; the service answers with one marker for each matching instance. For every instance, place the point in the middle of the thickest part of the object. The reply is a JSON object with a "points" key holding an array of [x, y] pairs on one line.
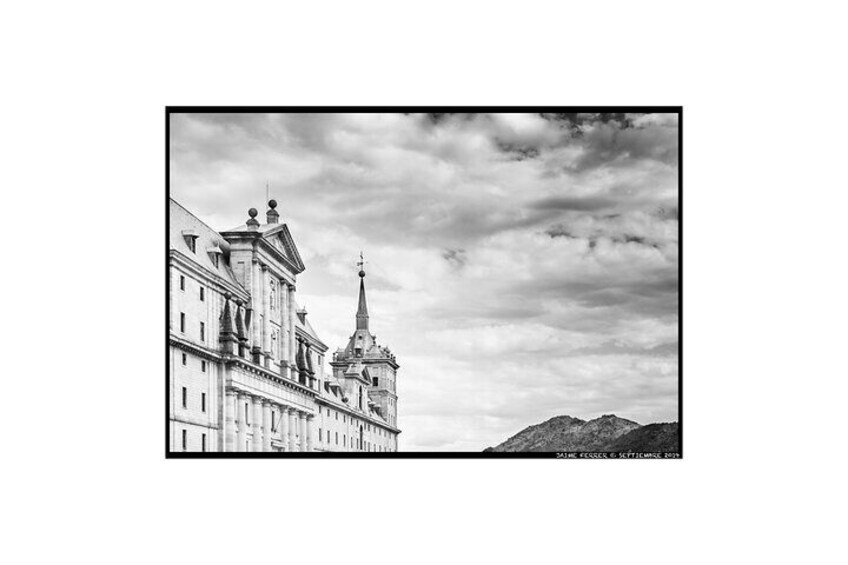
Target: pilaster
{"points": [[266, 426], [303, 434], [292, 429], [241, 438], [284, 427], [266, 319], [256, 424], [256, 290], [310, 432], [230, 421], [292, 332]]}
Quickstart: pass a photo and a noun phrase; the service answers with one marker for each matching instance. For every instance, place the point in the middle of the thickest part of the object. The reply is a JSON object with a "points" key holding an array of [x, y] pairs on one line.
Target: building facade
{"points": [[247, 369]]}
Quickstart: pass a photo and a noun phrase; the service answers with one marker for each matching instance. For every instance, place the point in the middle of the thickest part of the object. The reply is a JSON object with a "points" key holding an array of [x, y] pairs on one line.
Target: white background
{"points": [[84, 85]]}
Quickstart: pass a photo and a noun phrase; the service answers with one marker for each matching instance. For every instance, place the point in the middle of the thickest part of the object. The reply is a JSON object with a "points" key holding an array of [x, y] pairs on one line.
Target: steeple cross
{"points": [[361, 262]]}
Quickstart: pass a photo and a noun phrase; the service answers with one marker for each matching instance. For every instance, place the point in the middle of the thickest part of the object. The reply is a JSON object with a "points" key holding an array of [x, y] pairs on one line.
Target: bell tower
{"points": [[368, 370]]}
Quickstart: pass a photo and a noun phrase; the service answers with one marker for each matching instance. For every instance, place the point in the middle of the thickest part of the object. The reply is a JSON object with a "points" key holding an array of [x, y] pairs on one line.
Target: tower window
{"points": [[202, 295], [202, 331], [185, 397], [203, 442], [192, 244], [203, 366], [203, 402], [182, 322], [185, 359], [185, 439], [214, 259], [376, 381], [182, 282]]}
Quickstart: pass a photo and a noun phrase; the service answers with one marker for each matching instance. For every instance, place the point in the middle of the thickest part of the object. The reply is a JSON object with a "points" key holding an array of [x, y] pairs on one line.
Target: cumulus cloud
{"points": [[521, 266]]}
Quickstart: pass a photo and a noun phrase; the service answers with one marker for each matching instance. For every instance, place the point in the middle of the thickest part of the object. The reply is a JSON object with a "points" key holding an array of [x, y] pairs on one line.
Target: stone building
{"points": [[247, 369]]}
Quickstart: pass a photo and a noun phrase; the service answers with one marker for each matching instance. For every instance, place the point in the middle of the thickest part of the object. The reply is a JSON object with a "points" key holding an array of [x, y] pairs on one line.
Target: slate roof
{"points": [[182, 220]]}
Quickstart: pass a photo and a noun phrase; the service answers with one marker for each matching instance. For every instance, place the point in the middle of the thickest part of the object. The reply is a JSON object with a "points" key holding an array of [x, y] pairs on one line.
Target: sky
{"points": [[520, 266]]}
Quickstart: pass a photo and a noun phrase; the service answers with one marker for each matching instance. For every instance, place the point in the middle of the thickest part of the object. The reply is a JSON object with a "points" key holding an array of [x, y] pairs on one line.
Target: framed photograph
{"points": [[424, 282]]}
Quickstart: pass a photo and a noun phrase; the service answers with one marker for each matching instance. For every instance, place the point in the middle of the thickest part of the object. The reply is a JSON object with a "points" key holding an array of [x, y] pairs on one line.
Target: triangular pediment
{"points": [[281, 241]]}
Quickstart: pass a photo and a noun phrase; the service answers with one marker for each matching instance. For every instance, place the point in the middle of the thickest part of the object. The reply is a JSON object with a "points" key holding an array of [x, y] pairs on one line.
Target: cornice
{"points": [[211, 278], [366, 361], [270, 375], [323, 401], [184, 344], [317, 343], [279, 256]]}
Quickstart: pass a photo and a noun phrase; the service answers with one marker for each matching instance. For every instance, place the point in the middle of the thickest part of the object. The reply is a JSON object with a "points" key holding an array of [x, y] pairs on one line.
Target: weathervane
{"points": [[361, 264]]}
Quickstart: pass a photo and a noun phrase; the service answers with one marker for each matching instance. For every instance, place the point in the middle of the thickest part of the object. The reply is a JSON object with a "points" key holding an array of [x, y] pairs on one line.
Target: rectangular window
{"points": [[203, 402], [185, 359], [185, 439], [192, 244], [215, 259], [247, 413], [203, 442], [202, 296], [182, 322], [182, 282], [344, 440], [376, 381], [202, 331], [203, 366], [320, 435], [185, 397], [337, 438]]}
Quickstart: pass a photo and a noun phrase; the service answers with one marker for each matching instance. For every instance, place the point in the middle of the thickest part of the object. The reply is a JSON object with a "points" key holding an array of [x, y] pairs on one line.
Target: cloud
{"points": [[520, 266]]}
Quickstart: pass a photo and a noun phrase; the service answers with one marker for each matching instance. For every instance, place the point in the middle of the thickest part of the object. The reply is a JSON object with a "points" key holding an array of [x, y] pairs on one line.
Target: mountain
{"points": [[653, 438], [609, 433]]}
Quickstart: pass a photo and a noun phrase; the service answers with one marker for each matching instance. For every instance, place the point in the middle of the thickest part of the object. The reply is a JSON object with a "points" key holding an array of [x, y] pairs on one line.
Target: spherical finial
{"points": [[272, 204], [362, 274], [252, 212]]}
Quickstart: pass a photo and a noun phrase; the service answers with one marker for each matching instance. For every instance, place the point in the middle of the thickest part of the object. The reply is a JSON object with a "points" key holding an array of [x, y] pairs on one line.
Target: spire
{"points": [[362, 311]]}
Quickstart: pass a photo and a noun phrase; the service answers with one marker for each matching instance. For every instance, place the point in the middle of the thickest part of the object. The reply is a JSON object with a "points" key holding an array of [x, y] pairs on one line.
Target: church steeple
{"points": [[362, 311]]}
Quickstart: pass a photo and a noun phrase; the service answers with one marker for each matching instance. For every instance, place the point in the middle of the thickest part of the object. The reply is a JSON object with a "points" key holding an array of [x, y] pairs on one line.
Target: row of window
{"points": [[183, 287], [368, 427], [327, 438], [202, 399], [183, 326], [368, 446], [202, 363], [202, 440]]}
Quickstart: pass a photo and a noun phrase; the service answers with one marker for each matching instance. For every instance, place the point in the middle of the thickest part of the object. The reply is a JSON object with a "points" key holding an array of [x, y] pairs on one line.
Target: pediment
{"points": [[281, 241]]}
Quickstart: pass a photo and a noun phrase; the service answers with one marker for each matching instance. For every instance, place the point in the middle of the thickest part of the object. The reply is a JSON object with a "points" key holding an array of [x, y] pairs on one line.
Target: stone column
{"points": [[284, 427], [310, 432], [266, 426], [256, 424], [292, 429], [303, 439], [230, 422], [241, 438]]}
